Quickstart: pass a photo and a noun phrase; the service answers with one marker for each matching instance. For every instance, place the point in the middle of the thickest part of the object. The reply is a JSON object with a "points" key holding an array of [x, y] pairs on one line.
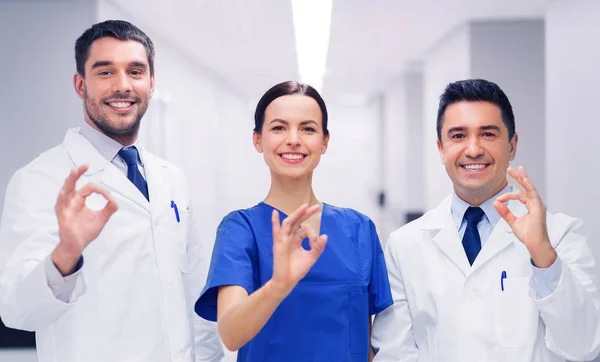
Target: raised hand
{"points": [[530, 228], [291, 262], [78, 225]]}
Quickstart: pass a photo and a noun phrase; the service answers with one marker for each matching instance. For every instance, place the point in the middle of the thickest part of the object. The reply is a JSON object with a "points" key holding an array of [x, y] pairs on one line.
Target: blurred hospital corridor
{"points": [[380, 65]]}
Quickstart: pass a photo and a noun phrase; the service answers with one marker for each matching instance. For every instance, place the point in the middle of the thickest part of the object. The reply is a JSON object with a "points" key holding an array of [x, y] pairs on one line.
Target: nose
{"points": [[293, 139], [121, 83], [474, 148]]}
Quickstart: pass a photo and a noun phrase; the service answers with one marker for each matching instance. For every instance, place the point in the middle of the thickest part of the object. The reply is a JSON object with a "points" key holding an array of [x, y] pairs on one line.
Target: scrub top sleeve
{"points": [[380, 294], [233, 262]]}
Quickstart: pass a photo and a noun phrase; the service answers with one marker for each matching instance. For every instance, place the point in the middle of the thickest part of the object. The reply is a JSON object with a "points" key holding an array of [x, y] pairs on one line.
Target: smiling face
{"points": [[475, 149], [292, 139], [117, 86]]}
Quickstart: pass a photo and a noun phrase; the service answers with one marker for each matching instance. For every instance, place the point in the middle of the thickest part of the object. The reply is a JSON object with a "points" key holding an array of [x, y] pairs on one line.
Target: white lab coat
{"points": [[134, 296], [446, 310]]}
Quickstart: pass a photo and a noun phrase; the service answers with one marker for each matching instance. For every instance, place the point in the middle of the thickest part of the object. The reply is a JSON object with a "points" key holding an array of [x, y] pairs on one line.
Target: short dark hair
{"points": [[283, 89], [117, 29], [476, 90]]}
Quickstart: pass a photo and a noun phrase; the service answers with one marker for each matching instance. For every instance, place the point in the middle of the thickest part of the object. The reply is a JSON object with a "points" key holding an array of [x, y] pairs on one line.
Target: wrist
{"points": [[544, 255], [276, 290], [65, 259]]}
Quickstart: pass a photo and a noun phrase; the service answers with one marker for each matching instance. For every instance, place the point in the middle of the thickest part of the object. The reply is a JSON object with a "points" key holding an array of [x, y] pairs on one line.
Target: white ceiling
{"points": [[372, 41], [250, 43]]}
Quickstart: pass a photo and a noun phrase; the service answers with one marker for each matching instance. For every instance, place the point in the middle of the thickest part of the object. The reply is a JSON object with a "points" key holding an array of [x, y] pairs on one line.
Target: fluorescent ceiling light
{"points": [[312, 22]]}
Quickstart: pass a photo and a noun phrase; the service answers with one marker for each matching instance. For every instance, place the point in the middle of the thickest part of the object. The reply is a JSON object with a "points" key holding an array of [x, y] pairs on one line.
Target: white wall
{"points": [[36, 91], [402, 138], [572, 128], [449, 61], [348, 175]]}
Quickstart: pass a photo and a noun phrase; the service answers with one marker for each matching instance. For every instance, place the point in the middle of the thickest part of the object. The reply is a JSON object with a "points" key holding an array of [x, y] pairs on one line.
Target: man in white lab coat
{"points": [[106, 265], [488, 275]]}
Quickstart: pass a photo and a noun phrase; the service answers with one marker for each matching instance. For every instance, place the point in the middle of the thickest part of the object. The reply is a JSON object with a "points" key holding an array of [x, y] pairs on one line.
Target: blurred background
{"points": [[380, 65]]}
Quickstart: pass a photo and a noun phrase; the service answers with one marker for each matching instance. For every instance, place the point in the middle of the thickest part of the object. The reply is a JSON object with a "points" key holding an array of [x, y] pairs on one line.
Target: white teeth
{"points": [[119, 104], [474, 167], [289, 156]]}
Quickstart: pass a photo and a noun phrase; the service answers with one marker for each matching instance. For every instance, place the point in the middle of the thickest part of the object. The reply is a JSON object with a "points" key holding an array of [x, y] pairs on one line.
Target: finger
{"points": [[531, 190], [300, 235], [317, 246], [276, 226], [69, 185], [109, 209], [523, 172], [286, 228], [91, 188], [299, 216], [61, 202], [515, 195], [505, 212], [515, 174]]}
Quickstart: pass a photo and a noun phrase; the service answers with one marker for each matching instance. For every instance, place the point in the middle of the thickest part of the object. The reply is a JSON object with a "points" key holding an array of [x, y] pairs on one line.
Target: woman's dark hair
{"points": [[284, 89]]}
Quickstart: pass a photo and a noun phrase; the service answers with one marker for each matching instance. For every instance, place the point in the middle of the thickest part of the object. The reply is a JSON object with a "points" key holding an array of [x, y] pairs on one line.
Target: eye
{"points": [[489, 134], [457, 136], [309, 129], [136, 72], [104, 73], [277, 128]]}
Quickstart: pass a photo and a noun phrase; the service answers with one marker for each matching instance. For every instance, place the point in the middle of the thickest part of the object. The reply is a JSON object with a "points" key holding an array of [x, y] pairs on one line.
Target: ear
{"points": [[440, 150], [151, 92], [79, 84], [257, 142], [325, 143], [513, 146]]}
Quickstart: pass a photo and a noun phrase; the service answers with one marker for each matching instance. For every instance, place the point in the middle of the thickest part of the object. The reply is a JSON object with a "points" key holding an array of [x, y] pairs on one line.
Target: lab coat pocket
{"points": [[516, 316], [359, 322]]}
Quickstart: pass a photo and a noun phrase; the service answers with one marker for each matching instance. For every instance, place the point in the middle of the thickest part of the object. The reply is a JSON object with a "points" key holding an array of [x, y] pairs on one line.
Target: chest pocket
{"points": [[516, 317], [171, 231]]}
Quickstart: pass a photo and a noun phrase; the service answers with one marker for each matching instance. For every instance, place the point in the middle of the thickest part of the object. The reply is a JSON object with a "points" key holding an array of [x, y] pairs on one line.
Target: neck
{"points": [[288, 194], [478, 197], [125, 140]]}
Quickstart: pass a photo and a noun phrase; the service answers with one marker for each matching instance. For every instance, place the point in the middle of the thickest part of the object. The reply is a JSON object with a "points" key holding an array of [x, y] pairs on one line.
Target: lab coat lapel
{"points": [[501, 236], [445, 236], [82, 152], [155, 176]]}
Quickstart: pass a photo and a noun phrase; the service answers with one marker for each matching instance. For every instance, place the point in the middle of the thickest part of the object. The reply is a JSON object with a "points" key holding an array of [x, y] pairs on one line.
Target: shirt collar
{"points": [[107, 147], [459, 207]]}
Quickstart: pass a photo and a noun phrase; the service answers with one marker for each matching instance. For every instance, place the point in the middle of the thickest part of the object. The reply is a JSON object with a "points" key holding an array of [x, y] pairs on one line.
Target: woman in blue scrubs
{"points": [[304, 289]]}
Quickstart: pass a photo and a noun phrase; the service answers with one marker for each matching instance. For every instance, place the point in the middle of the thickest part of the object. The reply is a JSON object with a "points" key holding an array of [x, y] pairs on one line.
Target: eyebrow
{"points": [[482, 128], [104, 63], [303, 123]]}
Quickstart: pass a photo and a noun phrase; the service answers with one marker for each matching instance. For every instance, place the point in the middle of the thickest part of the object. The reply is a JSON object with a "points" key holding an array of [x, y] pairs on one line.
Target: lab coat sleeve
{"points": [[28, 235], [380, 295], [63, 288], [207, 344], [392, 336], [572, 313], [545, 280]]}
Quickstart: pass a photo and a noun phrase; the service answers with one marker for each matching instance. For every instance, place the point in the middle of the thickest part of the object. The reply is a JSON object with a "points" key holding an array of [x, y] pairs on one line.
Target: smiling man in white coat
{"points": [[488, 275], [106, 265]]}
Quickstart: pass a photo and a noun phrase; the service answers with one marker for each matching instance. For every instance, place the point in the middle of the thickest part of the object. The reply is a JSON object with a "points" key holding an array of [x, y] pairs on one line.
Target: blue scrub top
{"points": [[326, 317]]}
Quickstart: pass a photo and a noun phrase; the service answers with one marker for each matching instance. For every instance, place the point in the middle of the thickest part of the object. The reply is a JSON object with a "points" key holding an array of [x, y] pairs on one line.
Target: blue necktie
{"points": [[130, 156], [471, 240]]}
